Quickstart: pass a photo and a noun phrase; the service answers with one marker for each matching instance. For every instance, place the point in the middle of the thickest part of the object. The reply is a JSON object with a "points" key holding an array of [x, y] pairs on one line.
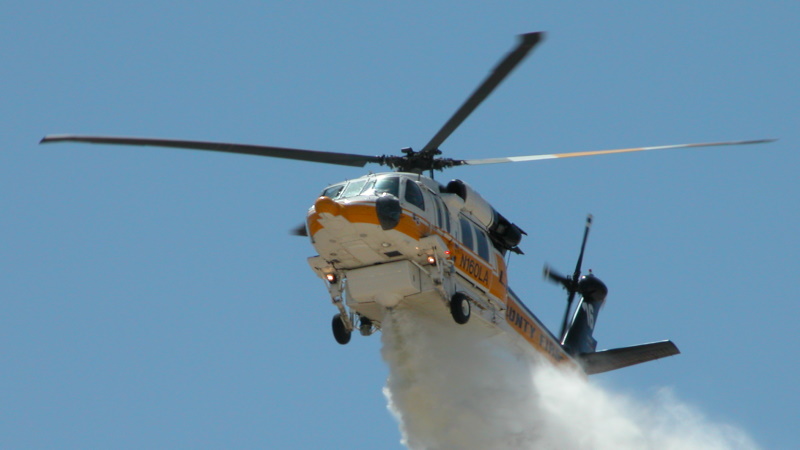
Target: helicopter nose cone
{"points": [[389, 211], [327, 205]]}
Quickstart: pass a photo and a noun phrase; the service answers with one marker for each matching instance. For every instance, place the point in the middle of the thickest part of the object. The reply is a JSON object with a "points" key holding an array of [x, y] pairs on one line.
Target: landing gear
{"points": [[345, 321], [460, 308], [365, 326], [340, 331]]}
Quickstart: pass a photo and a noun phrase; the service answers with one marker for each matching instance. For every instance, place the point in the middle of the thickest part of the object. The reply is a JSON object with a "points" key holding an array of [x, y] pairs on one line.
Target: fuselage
{"points": [[393, 238]]}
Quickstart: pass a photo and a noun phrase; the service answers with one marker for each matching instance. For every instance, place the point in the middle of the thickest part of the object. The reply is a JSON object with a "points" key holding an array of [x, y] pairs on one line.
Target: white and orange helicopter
{"points": [[400, 238]]}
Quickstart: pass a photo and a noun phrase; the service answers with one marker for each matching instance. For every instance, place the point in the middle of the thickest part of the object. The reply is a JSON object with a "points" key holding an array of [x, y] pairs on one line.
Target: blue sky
{"points": [[153, 298]]}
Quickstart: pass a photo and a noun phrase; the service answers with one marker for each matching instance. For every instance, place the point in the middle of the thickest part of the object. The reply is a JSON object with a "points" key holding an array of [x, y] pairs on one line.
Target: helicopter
{"points": [[401, 239]]}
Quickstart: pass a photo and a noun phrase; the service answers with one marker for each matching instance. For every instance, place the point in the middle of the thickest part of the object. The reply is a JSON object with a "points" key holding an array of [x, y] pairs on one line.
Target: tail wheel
{"points": [[460, 308], [340, 331]]}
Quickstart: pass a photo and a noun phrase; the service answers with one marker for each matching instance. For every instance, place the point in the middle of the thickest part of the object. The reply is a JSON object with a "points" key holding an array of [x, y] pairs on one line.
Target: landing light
{"points": [[431, 260], [331, 277]]}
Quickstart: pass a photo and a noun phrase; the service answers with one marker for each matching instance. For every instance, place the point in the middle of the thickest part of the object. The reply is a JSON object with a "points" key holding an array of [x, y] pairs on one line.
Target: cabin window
{"points": [[466, 233], [414, 195], [483, 244], [446, 213], [442, 214], [386, 185], [439, 218], [333, 191]]}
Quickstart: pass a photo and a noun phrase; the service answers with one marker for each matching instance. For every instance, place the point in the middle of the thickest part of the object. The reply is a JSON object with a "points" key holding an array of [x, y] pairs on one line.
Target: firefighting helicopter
{"points": [[402, 239]]}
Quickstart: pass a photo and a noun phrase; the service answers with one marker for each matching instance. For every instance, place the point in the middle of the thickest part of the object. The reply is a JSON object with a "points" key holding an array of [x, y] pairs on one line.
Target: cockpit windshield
{"points": [[385, 185], [364, 186], [353, 188]]}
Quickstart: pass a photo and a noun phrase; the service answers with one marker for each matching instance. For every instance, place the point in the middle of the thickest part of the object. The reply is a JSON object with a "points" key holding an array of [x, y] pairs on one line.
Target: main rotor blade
{"points": [[527, 42], [342, 159], [474, 162]]}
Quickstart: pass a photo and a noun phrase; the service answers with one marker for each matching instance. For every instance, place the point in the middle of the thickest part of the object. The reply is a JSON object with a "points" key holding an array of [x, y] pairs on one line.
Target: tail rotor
{"points": [[570, 284]]}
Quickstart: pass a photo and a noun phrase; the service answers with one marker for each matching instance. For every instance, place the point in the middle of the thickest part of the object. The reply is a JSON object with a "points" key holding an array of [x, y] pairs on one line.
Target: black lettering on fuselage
{"points": [[476, 270], [520, 322], [524, 326], [550, 347]]}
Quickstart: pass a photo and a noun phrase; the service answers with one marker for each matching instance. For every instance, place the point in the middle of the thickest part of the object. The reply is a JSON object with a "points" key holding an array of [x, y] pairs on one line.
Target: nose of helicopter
{"points": [[327, 205], [387, 208]]}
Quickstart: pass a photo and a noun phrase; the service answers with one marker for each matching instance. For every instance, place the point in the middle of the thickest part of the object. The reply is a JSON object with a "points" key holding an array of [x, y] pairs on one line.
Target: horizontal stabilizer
{"points": [[606, 360]]}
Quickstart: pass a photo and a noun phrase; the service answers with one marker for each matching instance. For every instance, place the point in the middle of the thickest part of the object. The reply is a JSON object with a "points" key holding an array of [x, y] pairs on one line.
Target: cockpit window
{"points": [[388, 185], [333, 191], [354, 188], [364, 186]]}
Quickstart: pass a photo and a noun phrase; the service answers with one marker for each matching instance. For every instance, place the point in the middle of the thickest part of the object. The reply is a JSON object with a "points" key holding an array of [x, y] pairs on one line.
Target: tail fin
{"points": [[606, 360]]}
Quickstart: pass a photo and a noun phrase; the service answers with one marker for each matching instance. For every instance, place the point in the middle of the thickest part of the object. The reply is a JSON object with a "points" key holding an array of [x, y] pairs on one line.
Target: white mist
{"points": [[457, 387]]}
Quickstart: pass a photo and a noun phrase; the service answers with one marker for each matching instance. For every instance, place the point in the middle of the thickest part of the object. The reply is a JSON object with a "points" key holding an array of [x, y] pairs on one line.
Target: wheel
{"points": [[340, 332], [460, 308]]}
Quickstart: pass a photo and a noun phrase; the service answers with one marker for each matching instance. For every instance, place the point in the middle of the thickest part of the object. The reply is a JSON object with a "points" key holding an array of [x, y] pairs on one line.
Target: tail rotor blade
{"points": [[556, 277], [577, 273], [299, 230], [570, 287], [565, 322], [570, 283]]}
